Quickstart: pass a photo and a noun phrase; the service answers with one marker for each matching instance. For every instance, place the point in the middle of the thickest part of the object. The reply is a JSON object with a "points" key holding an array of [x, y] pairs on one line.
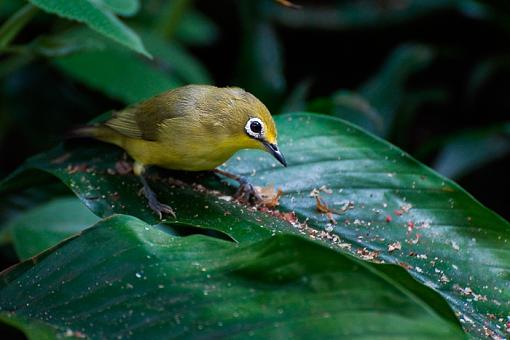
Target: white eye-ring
{"points": [[255, 128]]}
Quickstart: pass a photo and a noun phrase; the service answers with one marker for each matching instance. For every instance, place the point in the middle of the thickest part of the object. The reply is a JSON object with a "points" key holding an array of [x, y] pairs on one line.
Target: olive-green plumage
{"points": [[194, 127]]}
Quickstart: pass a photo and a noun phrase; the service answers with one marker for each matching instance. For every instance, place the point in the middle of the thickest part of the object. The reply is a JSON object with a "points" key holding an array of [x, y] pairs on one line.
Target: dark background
{"points": [[451, 109]]}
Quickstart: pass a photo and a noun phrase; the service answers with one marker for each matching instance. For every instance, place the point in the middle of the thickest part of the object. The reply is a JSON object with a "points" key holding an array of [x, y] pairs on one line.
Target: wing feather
{"points": [[143, 121], [146, 119], [125, 123]]}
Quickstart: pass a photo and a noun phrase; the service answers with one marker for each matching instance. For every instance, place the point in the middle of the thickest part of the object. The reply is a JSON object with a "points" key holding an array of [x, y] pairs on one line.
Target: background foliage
{"points": [[431, 77]]}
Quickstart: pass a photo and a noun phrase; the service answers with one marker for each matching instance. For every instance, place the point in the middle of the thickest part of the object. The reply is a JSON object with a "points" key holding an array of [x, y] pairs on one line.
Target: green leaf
{"points": [[296, 100], [118, 74], [260, 67], [125, 76], [196, 29], [386, 90], [121, 7], [123, 277], [383, 105], [14, 204], [172, 57], [15, 24], [63, 217], [33, 329], [471, 150], [385, 200], [97, 18], [352, 107]]}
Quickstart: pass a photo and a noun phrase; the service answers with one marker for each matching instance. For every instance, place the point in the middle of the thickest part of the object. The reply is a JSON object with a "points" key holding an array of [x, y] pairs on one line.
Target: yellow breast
{"points": [[183, 154]]}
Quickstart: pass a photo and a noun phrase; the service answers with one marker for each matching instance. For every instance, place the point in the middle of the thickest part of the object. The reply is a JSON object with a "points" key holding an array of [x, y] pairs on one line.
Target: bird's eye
{"points": [[255, 128]]}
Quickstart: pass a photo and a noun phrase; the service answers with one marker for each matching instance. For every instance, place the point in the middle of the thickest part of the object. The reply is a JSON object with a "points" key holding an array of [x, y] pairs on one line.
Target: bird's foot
{"points": [[156, 206], [247, 193], [160, 208]]}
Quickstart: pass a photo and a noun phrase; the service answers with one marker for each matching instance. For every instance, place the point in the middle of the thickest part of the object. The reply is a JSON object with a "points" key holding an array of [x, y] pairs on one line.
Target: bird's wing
{"points": [[143, 121]]}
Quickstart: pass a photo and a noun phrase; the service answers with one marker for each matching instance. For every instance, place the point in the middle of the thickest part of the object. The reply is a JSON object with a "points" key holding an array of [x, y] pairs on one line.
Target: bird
{"points": [[190, 128]]}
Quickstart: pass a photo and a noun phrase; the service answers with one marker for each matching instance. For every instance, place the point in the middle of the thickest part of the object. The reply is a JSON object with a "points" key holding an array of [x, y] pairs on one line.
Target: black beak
{"points": [[273, 150]]}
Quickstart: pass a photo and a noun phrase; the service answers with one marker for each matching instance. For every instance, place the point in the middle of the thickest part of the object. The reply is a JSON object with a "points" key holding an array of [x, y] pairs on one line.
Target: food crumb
{"points": [[410, 226], [406, 207], [444, 279], [366, 254], [269, 196], [394, 246], [455, 246], [415, 240]]}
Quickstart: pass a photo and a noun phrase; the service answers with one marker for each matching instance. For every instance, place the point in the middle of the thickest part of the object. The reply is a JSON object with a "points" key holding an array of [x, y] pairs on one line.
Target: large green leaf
{"points": [[97, 17], [63, 217], [391, 208], [124, 278]]}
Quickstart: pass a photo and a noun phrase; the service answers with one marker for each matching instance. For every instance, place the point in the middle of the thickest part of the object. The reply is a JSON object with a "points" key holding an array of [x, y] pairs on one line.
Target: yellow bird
{"points": [[192, 128]]}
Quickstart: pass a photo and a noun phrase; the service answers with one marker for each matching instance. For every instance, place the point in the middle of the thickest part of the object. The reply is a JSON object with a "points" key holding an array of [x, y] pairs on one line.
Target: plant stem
{"points": [[15, 23]]}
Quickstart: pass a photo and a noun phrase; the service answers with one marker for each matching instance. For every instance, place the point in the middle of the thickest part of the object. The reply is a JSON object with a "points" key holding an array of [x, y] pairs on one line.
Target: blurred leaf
{"points": [[33, 330], [386, 90], [260, 68], [40, 191], [387, 207], [127, 77], [404, 125], [97, 18], [348, 15], [169, 17], [383, 99], [116, 73], [140, 282], [121, 7], [484, 71], [196, 29], [471, 150], [62, 217], [352, 107], [7, 8], [173, 58], [296, 101], [66, 43], [11, 27]]}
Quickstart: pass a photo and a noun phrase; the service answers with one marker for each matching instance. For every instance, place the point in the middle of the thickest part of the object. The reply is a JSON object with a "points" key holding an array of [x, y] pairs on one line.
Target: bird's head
{"points": [[255, 128]]}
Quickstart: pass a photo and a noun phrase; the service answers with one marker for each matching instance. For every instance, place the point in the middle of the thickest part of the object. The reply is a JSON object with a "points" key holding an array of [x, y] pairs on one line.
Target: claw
{"points": [[160, 208], [156, 206], [247, 193]]}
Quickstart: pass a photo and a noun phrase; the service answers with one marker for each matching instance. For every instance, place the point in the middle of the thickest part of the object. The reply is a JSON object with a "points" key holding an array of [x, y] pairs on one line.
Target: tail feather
{"points": [[99, 132]]}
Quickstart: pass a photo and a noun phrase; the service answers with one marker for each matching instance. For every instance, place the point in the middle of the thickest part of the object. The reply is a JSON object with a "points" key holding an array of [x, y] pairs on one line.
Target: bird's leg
{"points": [[246, 192], [158, 207]]}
